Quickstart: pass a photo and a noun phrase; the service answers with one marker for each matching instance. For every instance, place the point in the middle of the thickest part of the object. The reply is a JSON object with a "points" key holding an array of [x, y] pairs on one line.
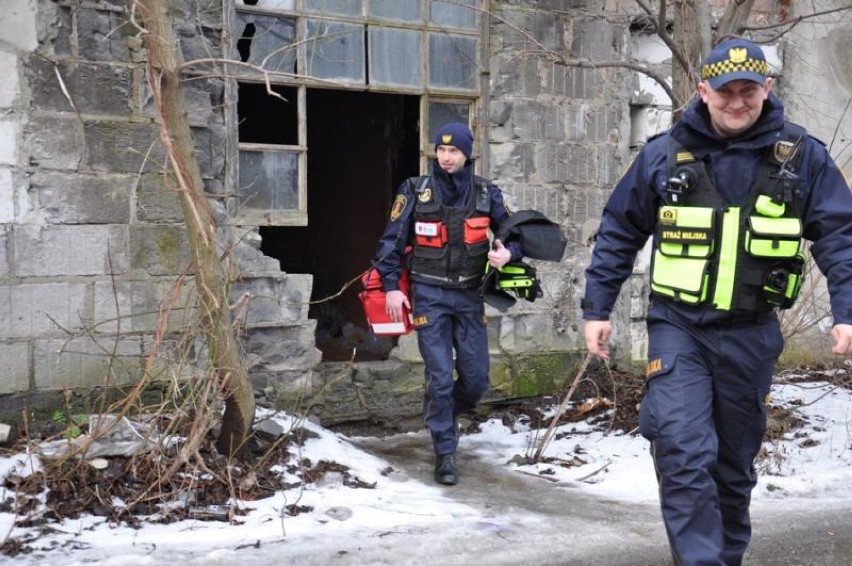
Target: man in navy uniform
{"points": [[727, 195], [446, 218]]}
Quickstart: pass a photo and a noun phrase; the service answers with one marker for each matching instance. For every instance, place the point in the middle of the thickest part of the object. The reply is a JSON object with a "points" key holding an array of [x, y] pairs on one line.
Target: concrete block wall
{"points": [[91, 233], [557, 144]]}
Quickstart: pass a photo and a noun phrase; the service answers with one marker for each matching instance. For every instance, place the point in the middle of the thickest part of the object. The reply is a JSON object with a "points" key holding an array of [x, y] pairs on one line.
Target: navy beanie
{"points": [[455, 134]]}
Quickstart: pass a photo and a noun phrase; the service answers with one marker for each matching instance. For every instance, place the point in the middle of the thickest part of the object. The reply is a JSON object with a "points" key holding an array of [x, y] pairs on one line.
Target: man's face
{"points": [[450, 158], [736, 106]]}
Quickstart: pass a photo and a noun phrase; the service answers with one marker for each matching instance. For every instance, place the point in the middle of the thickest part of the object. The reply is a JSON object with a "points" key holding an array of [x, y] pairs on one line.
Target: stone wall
{"points": [[91, 233]]}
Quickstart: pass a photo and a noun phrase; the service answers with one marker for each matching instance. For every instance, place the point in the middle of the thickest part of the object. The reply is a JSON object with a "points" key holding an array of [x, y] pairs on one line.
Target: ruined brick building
{"points": [[91, 238]]}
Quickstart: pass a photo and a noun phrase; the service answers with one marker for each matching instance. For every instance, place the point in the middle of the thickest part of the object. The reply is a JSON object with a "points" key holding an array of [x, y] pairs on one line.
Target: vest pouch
{"points": [[476, 229], [685, 231], [773, 237], [784, 282], [683, 279], [430, 234]]}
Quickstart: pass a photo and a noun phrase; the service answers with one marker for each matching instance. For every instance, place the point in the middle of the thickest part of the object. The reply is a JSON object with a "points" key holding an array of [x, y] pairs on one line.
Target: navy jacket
{"points": [[455, 190], [630, 215]]}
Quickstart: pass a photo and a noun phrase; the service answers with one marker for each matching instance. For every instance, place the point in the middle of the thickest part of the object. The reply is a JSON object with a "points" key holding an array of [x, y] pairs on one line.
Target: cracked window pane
{"points": [[335, 51], [269, 180], [452, 61], [267, 41], [272, 4], [395, 57]]}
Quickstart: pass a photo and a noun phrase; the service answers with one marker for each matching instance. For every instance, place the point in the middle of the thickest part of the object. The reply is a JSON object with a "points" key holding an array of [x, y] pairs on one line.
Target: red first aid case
{"points": [[373, 300]]}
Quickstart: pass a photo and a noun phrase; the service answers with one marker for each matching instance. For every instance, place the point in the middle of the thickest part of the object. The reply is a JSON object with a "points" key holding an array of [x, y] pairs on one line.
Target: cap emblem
{"points": [[738, 54], [447, 138]]}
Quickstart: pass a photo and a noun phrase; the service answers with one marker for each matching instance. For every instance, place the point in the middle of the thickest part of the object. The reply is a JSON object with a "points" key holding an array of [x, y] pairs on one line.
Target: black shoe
{"points": [[445, 469]]}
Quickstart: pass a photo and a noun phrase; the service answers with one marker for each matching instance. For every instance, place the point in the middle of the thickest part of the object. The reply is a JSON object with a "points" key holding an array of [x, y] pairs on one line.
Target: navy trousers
{"points": [[450, 326], [704, 413]]}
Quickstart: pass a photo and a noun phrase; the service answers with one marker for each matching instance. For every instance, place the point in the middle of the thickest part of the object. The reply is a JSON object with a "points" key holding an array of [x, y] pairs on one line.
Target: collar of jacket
{"points": [[696, 133], [454, 188]]}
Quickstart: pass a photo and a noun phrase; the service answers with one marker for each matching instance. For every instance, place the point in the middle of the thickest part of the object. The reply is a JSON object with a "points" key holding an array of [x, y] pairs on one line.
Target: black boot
{"points": [[445, 469]]}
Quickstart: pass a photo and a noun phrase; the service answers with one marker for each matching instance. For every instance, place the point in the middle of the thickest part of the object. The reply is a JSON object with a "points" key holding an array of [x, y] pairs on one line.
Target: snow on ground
{"points": [[813, 461]]}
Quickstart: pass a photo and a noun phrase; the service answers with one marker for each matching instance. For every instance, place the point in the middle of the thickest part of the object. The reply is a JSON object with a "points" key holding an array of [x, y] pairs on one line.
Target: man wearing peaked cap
{"points": [[727, 195], [734, 59], [446, 218], [734, 85]]}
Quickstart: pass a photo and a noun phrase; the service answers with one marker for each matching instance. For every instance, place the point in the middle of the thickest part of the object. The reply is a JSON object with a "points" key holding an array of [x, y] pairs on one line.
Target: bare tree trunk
{"points": [[164, 60], [735, 17], [704, 24], [687, 34]]}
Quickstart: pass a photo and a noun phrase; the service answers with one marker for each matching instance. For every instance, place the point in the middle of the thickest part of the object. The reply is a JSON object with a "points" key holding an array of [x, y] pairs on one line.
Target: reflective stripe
{"points": [[727, 271]]}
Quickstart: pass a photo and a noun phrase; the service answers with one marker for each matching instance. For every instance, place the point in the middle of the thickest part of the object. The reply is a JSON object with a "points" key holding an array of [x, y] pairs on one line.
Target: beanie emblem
{"points": [[447, 138]]}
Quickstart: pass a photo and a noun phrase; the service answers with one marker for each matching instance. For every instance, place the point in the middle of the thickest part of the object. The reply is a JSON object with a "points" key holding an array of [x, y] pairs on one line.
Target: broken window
{"points": [[426, 48], [272, 4], [267, 41], [270, 156]]}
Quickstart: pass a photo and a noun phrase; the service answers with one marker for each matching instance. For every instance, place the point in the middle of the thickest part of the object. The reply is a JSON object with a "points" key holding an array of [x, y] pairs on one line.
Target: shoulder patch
{"points": [[398, 206]]}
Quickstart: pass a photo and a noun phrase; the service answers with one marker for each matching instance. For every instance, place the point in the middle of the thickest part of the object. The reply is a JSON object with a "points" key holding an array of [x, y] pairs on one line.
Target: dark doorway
{"points": [[361, 146]]}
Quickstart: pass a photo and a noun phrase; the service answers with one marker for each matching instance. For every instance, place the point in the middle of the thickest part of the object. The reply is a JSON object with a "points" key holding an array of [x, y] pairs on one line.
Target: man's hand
{"points": [[597, 337], [499, 255], [394, 303], [842, 335]]}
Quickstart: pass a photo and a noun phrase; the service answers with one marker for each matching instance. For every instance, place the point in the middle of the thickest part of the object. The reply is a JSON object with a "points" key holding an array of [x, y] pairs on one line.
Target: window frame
{"points": [[428, 94]]}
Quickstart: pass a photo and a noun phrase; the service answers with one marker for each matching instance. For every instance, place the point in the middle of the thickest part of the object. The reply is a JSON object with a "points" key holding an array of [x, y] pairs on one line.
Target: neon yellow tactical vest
{"points": [[732, 258]]}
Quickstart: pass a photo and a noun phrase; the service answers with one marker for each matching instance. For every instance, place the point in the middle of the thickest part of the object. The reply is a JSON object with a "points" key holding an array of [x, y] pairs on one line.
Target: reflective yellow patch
{"points": [[420, 321], [426, 195], [398, 206], [653, 367]]}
